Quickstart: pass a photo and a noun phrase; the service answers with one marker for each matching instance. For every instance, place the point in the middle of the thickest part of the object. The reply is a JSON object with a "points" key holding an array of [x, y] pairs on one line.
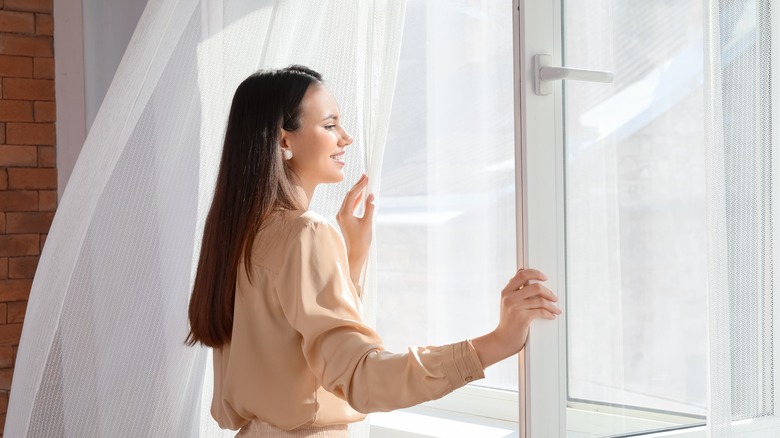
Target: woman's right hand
{"points": [[521, 302], [357, 231]]}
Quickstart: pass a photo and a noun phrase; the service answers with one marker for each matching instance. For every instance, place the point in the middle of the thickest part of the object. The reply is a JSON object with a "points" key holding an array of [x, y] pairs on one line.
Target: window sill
{"points": [[425, 422]]}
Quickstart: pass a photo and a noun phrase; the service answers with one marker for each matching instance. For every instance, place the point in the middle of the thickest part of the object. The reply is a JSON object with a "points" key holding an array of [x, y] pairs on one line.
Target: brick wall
{"points": [[28, 176]]}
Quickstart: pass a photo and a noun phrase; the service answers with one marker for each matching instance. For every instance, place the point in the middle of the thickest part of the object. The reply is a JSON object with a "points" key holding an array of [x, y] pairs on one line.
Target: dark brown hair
{"points": [[252, 182]]}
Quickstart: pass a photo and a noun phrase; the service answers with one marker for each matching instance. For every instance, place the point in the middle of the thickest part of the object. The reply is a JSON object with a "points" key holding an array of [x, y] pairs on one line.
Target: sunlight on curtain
{"points": [[102, 349], [739, 158], [447, 219]]}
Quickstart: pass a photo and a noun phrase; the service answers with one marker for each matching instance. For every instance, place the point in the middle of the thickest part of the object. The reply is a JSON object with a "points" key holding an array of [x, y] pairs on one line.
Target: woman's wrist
{"points": [[356, 262], [491, 349]]}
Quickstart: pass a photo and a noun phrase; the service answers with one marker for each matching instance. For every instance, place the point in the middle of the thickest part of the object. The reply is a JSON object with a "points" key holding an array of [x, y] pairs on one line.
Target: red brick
{"points": [[3, 179], [17, 22], [6, 357], [3, 313], [43, 242], [6, 375], [37, 179], [22, 267], [43, 68], [29, 5], [9, 335], [30, 133], [26, 45], [18, 156], [16, 311], [15, 290], [28, 89], [2, 222], [2, 133], [19, 245], [18, 200], [3, 267], [46, 157], [30, 222], [47, 200], [45, 112], [16, 111], [16, 66], [44, 24], [3, 402]]}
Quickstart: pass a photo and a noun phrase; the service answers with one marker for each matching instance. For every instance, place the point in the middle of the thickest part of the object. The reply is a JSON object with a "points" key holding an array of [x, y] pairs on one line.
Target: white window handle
{"points": [[544, 74]]}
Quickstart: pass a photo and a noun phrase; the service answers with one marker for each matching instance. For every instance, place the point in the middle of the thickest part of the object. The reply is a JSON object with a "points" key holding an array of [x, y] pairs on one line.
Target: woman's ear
{"points": [[285, 138]]}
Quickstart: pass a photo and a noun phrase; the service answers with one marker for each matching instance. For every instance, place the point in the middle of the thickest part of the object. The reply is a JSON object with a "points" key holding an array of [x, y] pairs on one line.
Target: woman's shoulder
{"points": [[292, 230], [297, 218], [284, 229], [294, 223]]}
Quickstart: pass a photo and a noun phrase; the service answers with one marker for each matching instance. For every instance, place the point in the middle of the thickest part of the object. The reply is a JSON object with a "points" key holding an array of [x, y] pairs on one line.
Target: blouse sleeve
{"points": [[320, 302]]}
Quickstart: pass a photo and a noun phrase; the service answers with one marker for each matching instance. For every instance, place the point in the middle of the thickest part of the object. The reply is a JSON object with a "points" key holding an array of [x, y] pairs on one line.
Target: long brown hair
{"points": [[252, 181]]}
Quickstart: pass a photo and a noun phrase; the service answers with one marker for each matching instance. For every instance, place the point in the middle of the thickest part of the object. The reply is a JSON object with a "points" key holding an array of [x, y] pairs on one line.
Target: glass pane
{"points": [[635, 217], [445, 224]]}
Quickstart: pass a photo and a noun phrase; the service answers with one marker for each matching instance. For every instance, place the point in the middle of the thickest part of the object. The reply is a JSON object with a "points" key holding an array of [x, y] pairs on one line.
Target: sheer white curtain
{"points": [[739, 181], [102, 349]]}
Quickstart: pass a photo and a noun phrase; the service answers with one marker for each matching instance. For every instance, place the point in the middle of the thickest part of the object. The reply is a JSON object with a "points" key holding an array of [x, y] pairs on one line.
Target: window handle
{"points": [[544, 74]]}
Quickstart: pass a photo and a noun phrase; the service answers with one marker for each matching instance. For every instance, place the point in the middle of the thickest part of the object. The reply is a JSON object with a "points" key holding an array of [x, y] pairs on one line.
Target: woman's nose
{"points": [[346, 139]]}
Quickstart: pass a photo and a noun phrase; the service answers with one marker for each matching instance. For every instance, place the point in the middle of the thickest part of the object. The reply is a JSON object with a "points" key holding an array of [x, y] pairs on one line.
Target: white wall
{"points": [[90, 37]]}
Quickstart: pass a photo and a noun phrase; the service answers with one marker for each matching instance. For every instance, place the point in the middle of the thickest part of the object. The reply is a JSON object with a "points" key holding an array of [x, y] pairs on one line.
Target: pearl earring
{"points": [[287, 154]]}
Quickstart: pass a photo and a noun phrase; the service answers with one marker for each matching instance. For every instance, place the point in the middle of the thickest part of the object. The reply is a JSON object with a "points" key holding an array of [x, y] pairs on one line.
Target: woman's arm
{"points": [[348, 357], [521, 301]]}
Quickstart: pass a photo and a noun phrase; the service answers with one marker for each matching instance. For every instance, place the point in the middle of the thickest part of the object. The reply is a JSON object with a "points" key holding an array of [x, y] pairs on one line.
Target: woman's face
{"points": [[318, 145]]}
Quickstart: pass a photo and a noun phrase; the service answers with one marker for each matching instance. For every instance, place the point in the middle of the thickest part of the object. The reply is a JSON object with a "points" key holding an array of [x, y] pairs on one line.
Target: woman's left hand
{"points": [[357, 231]]}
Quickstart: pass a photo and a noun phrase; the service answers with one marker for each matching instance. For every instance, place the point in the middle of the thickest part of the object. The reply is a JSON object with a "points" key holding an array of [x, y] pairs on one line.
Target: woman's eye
{"points": [[330, 127]]}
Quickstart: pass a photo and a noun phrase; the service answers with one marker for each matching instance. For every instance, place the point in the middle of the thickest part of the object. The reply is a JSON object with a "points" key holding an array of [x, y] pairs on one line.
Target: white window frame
{"points": [[540, 228], [540, 201]]}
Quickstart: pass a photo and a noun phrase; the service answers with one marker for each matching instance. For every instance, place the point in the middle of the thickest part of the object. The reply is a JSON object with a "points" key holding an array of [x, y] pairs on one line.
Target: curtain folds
{"points": [[739, 182], [102, 349]]}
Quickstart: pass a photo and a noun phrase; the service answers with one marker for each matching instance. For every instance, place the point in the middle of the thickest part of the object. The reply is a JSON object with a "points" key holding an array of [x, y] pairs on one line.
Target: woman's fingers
{"points": [[352, 192], [532, 302], [357, 231], [522, 277], [543, 314], [535, 289], [540, 303], [356, 202], [352, 197], [369, 212]]}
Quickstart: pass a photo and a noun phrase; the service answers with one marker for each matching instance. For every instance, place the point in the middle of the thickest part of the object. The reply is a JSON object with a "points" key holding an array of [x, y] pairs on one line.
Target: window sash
{"points": [[541, 228]]}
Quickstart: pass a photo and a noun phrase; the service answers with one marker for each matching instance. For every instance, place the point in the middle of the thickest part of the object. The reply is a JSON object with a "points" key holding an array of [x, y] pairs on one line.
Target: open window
{"points": [[602, 186]]}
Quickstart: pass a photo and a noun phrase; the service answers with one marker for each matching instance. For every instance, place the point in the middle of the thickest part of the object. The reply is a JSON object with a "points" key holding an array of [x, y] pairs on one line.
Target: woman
{"points": [[276, 293]]}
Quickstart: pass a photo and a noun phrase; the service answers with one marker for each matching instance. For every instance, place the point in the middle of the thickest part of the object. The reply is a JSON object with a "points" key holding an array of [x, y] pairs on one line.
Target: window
{"points": [[635, 198], [617, 211], [446, 239], [446, 222], [611, 179]]}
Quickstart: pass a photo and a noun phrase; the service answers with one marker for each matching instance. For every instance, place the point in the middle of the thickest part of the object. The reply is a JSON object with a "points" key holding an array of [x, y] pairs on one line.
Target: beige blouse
{"points": [[300, 353]]}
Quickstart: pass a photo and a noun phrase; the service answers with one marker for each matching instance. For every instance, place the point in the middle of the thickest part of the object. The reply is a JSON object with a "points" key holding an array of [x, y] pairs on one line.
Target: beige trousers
{"points": [[259, 429]]}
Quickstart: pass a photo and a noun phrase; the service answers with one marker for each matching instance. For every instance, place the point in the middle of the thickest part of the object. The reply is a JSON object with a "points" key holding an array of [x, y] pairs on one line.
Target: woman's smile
{"points": [[337, 157]]}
